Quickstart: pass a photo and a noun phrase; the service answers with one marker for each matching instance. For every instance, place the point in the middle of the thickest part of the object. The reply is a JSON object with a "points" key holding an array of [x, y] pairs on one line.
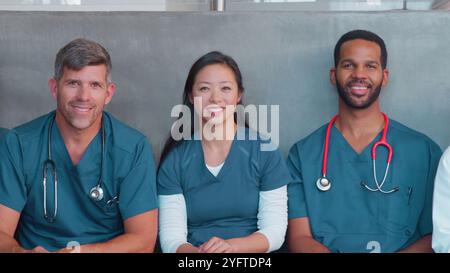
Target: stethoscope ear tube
{"points": [[52, 165]]}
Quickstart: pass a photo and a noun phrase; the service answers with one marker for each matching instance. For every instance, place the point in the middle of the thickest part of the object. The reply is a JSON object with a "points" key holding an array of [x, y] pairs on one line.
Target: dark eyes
{"points": [[96, 85], [205, 89], [73, 83], [349, 65], [78, 83]]}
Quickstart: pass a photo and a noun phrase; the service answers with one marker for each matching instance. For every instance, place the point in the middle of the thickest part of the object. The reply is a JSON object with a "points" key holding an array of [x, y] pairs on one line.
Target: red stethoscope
{"points": [[324, 184]]}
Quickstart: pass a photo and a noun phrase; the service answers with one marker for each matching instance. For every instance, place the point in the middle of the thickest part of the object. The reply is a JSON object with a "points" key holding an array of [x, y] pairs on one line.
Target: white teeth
{"points": [[215, 110], [83, 109], [359, 87]]}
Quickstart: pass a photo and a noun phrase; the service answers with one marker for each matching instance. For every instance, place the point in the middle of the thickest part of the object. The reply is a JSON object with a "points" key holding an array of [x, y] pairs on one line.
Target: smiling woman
{"points": [[220, 194]]}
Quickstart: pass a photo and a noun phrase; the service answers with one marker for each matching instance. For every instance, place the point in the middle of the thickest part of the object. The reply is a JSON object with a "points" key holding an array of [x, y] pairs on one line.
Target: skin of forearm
{"points": [[9, 245], [421, 246], [187, 248], [306, 244], [123, 243]]}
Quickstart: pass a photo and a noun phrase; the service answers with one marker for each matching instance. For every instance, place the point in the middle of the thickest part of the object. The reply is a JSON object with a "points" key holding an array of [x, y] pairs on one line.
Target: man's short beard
{"points": [[373, 96]]}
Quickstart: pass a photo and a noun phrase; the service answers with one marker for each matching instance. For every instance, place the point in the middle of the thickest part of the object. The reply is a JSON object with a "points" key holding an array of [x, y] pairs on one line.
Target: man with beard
{"points": [[77, 176], [349, 193]]}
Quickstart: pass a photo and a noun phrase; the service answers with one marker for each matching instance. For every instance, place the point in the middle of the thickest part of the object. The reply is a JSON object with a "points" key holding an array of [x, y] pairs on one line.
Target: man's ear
{"points": [[333, 76], [53, 87], [385, 77], [110, 91]]}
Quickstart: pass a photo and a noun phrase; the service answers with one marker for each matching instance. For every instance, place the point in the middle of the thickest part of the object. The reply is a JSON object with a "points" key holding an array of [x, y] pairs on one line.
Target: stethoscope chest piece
{"points": [[96, 193], [323, 184]]}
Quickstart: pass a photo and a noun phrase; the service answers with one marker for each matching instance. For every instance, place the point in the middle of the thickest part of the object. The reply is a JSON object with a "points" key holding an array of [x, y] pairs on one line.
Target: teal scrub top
{"points": [[3, 132], [225, 206], [129, 174], [350, 218]]}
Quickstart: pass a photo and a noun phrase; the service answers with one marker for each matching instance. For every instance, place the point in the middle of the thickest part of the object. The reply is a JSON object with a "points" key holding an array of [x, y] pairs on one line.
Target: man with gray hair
{"points": [[77, 176]]}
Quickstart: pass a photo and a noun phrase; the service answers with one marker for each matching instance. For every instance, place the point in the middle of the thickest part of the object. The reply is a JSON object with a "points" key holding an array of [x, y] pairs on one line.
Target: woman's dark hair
{"points": [[214, 57]]}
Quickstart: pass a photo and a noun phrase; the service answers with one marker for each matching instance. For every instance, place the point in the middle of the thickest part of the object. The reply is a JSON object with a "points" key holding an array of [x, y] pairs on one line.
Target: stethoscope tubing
{"points": [[324, 184]]}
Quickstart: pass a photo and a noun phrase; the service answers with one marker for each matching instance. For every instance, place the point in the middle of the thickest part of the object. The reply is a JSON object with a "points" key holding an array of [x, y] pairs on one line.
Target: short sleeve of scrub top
{"points": [[296, 195], [274, 170], [425, 226], [13, 192], [169, 175], [137, 192]]}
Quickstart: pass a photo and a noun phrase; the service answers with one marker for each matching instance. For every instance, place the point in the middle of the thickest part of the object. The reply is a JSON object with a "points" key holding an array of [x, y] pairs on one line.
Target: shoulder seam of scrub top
{"points": [[247, 154], [115, 125], [190, 157], [319, 131], [136, 144], [403, 128], [26, 134]]}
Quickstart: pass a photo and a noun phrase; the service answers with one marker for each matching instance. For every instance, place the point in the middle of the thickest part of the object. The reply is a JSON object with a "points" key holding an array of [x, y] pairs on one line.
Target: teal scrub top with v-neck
{"points": [[225, 206], [350, 218], [129, 174]]}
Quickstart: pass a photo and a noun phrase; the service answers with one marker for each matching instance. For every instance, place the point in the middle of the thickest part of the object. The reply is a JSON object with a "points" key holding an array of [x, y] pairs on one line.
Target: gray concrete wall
{"points": [[284, 56]]}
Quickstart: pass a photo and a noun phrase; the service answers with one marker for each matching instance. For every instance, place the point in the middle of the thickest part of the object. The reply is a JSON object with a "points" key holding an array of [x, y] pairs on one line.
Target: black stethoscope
{"points": [[96, 193], [324, 184]]}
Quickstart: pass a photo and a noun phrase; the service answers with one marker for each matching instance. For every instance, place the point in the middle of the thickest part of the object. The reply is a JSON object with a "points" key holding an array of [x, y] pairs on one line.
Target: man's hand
{"points": [[38, 249]]}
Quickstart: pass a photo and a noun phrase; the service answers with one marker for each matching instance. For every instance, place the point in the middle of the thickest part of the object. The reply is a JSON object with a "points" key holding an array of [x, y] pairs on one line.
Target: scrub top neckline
{"points": [[365, 153], [226, 164], [58, 142]]}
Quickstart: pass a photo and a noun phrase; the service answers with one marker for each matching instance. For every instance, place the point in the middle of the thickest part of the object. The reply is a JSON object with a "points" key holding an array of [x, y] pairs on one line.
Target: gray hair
{"points": [[80, 53]]}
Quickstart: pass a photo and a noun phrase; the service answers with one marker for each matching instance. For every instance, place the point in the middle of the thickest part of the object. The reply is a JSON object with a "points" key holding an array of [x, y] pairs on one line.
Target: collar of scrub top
{"points": [[324, 184], [241, 132], [96, 193]]}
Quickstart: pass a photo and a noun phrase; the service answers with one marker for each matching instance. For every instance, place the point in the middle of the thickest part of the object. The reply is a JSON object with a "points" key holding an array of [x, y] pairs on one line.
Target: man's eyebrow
{"points": [[352, 60], [72, 80], [347, 60]]}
